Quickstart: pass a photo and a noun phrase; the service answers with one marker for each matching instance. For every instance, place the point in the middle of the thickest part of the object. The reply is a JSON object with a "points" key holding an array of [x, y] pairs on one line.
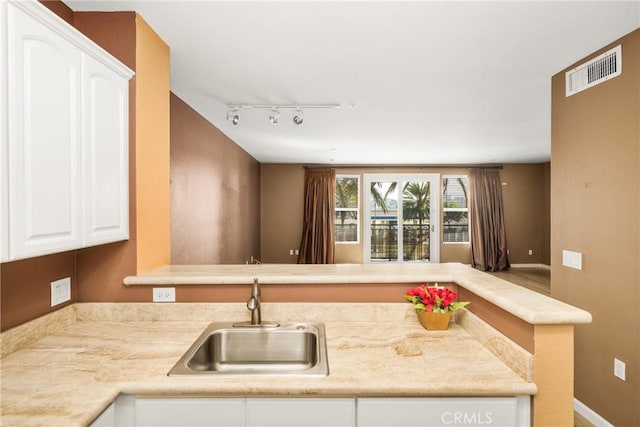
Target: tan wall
{"points": [[595, 187], [525, 190], [282, 192], [215, 193], [281, 204]]}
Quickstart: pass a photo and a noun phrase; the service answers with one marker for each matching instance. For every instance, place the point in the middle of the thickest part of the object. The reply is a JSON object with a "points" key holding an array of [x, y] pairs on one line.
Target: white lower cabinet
{"points": [[107, 418], [300, 412], [189, 412], [133, 411], [444, 411]]}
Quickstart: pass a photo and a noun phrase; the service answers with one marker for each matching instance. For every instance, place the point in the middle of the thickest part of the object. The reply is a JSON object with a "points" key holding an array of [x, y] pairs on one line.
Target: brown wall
{"points": [[525, 190], [595, 189], [25, 287], [215, 193], [526, 204]]}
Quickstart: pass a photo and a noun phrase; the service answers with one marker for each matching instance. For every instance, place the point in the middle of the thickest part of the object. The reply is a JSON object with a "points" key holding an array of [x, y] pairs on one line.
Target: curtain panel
{"points": [[488, 237], [318, 241]]}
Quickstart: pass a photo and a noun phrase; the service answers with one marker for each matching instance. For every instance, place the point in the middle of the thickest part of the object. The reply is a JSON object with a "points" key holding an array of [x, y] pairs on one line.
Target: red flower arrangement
{"points": [[436, 299]]}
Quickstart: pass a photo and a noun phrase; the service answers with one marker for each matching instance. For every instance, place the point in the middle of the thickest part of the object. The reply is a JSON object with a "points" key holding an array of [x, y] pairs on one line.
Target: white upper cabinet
{"points": [[44, 139], [105, 153], [66, 146]]}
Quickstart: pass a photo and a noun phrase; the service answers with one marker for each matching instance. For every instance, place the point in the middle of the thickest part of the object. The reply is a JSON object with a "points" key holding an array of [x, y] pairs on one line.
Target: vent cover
{"points": [[598, 70]]}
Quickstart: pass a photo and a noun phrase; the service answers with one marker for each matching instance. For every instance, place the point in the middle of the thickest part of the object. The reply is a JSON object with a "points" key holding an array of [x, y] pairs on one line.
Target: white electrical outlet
{"points": [[60, 291], [530, 251], [619, 368], [164, 294]]}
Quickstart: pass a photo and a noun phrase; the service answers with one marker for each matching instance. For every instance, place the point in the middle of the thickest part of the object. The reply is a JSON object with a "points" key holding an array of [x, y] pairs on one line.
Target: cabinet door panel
{"points": [[441, 412], [189, 412], [300, 412], [105, 155], [44, 138]]}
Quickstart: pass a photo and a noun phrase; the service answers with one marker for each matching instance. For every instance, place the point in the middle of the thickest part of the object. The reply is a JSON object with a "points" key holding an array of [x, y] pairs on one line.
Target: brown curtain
{"points": [[488, 237], [317, 245]]}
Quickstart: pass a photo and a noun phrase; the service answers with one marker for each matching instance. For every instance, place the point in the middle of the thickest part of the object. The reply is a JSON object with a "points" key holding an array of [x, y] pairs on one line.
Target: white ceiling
{"points": [[433, 82]]}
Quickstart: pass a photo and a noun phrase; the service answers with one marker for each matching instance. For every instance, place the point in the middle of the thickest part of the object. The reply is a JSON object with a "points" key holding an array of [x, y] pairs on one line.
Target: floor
{"points": [[539, 280]]}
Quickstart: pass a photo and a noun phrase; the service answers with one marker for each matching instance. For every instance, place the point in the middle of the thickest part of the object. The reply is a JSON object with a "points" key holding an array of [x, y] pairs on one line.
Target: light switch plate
{"points": [[572, 259], [619, 368], [60, 291]]}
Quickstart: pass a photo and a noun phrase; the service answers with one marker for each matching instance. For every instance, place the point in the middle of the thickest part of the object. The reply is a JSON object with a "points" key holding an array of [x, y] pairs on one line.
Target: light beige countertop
{"points": [[529, 306], [68, 377]]}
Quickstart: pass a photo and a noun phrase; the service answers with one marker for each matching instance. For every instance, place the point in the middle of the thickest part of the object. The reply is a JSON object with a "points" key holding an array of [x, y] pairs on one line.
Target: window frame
{"points": [[445, 209], [356, 209]]}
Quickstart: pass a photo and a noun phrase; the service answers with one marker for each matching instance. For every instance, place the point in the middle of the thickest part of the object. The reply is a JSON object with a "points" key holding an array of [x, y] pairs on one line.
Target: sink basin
{"points": [[297, 349]]}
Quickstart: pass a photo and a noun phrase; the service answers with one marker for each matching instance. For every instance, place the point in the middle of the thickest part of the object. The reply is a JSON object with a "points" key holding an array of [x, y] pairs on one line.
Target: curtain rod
{"points": [[402, 166]]}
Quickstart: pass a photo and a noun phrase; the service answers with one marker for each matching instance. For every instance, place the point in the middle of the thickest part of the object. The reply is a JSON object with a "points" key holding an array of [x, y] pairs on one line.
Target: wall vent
{"points": [[596, 71]]}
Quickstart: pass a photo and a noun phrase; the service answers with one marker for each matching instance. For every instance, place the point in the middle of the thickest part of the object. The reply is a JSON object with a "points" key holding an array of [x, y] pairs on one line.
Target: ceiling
{"points": [[419, 82]]}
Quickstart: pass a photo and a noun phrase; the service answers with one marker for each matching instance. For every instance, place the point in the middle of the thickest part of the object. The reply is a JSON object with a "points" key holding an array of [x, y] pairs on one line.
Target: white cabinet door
{"points": [[44, 138], [443, 411], [300, 412], [189, 412], [4, 140], [105, 153]]}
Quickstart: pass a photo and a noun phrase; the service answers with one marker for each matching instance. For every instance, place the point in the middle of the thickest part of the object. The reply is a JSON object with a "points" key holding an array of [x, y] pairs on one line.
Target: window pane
{"points": [[384, 221], [346, 216], [346, 192], [455, 192], [346, 229], [455, 227], [416, 200], [455, 217]]}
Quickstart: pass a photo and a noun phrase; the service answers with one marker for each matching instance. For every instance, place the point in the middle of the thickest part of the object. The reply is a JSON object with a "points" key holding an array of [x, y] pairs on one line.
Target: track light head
{"points": [[233, 116], [275, 114], [298, 119]]}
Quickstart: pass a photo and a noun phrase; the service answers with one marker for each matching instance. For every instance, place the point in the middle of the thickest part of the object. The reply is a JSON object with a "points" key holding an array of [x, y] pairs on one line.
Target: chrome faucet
{"points": [[254, 303]]}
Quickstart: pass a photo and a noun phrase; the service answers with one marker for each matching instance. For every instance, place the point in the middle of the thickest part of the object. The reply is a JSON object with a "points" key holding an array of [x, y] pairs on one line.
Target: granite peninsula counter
{"points": [[68, 377], [65, 368]]}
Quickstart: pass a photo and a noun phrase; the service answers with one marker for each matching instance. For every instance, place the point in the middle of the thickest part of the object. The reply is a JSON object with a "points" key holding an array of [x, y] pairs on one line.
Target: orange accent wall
{"points": [[152, 149]]}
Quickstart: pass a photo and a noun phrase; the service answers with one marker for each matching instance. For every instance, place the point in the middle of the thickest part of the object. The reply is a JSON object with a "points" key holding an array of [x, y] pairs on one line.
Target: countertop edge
{"points": [[523, 303]]}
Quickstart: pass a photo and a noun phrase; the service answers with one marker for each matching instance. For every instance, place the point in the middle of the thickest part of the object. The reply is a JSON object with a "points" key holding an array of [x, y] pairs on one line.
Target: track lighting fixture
{"points": [[274, 116], [298, 119]]}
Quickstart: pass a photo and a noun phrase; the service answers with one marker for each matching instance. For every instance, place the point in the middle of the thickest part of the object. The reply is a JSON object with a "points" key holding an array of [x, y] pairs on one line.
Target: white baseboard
{"points": [[544, 266], [589, 414]]}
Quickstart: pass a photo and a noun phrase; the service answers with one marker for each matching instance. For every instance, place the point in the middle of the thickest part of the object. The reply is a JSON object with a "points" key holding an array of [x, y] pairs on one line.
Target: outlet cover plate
{"points": [[60, 291], [164, 294]]}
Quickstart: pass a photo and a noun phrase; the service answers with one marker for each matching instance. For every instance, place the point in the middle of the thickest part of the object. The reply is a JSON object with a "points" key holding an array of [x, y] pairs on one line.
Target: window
{"points": [[455, 215], [401, 218], [347, 224]]}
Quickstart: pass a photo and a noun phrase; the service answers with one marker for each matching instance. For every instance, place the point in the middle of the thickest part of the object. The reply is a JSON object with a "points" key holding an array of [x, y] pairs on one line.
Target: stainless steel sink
{"points": [[289, 349]]}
